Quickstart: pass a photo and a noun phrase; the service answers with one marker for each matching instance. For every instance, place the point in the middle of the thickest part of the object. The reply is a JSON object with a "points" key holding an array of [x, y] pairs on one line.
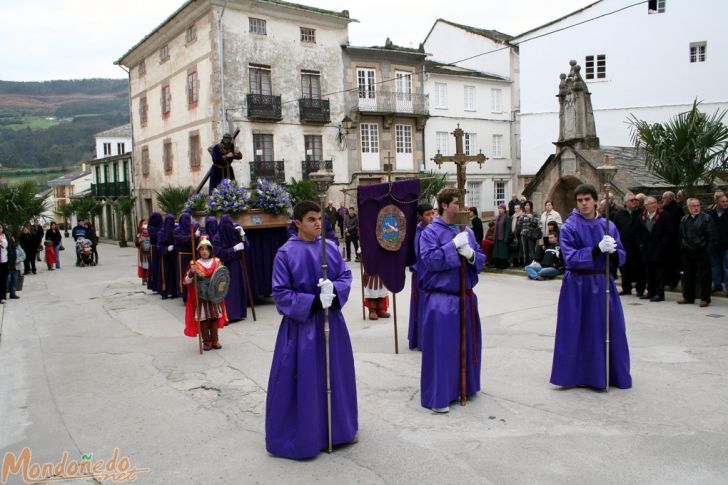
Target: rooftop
{"points": [[123, 131], [66, 179], [440, 68], [490, 34]]}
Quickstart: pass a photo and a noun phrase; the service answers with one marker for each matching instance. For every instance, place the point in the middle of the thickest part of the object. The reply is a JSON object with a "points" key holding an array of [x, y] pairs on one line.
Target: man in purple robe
{"points": [[442, 247], [425, 213], [223, 155], [153, 227], [168, 285], [579, 350], [296, 423], [183, 250], [229, 244]]}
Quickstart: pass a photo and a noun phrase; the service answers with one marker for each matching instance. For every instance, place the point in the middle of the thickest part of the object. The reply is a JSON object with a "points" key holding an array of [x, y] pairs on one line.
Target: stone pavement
{"points": [[89, 362]]}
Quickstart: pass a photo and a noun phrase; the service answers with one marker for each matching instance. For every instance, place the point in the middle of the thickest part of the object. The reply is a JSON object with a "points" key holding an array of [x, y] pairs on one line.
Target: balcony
{"points": [[264, 107], [314, 110], [308, 166], [384, 102], [110, 189], [272, 170]]}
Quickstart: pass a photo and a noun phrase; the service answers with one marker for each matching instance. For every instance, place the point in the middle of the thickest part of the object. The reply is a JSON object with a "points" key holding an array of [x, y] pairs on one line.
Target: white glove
{"points": [[460, 240], [197, 233], [327, 292], [241, 231], [358, 250], [170, 248], [607, 244], [467, 252], [239, 246]]}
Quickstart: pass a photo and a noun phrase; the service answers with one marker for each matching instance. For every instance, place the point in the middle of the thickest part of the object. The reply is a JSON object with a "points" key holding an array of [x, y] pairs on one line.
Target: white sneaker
{"points": [[444, 410]]}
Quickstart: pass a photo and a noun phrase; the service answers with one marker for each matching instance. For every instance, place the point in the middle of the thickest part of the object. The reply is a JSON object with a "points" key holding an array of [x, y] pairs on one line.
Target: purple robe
{"points": [[414, 335], [183, 249], [153, 227], [295, 419], [210, 227], [440, 311], [226, 238], [168, 286], [579, 350]]}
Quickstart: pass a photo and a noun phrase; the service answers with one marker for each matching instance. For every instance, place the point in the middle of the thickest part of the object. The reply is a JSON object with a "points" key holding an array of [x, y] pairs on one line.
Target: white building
{"points": [[650, 60], [480, 95], [262, 66], [114, 141]]}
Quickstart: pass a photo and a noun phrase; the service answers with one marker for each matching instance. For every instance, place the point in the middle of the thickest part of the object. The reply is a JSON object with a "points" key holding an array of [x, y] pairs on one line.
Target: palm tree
{"points": [[172, 199], [431, 183], [19, 204], [124, 207], [688, 149], [66, 211]]}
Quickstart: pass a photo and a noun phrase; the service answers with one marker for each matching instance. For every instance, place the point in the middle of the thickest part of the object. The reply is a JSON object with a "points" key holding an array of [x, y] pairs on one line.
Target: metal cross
{"points": [[460, 159], [389, 167]]}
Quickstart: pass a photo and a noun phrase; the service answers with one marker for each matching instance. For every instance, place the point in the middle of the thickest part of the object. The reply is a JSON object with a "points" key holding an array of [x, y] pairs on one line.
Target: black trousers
{"points": [[655, 279], [29, 263], [633, 272], [696, 270], [4, 269], [352, 238]]}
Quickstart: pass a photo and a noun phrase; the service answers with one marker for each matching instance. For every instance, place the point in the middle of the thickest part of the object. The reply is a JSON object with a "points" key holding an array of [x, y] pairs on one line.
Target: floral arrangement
{"points": [[196, 203], [272, 197], [229, 197]]}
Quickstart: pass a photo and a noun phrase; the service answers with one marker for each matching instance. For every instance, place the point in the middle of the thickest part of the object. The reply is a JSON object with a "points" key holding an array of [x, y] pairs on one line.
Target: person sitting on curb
{"points": [[548, 263]]}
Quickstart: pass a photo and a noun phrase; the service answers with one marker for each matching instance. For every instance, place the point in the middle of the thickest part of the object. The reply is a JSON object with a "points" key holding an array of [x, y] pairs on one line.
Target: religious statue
{"points": [[576, 116]]}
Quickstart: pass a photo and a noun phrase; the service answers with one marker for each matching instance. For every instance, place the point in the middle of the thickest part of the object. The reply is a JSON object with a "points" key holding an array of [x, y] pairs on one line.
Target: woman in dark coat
{"points": [[168, 286], [153, 227], [54, 234], [29, 243], [502, 238], [183, 248], [229, 245]]}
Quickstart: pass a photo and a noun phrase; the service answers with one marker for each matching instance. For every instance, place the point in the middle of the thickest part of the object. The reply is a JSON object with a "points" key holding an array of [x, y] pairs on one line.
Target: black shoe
{"points": [[646, 297], [657, 298], [14, 297], [625, 292]]}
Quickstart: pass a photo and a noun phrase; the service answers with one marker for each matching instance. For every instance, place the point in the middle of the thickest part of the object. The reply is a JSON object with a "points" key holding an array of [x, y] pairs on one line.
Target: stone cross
{"points": [[460, 159]]}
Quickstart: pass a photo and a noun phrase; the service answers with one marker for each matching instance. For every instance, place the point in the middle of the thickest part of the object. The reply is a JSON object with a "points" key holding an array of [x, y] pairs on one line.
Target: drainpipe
{"points": [[136, 215], [221, 48]]}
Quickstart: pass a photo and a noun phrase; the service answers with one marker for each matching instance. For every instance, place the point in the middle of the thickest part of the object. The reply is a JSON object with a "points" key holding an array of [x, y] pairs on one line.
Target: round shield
{"points": [[215, 288], [391, 227]]}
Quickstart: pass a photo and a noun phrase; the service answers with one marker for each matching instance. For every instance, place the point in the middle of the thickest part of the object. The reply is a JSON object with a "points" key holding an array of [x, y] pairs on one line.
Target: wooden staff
{"points": [[361, 276], [607, 286], [246, 275], [197, 293], [394, 310], [327, 330], [463, 336]]}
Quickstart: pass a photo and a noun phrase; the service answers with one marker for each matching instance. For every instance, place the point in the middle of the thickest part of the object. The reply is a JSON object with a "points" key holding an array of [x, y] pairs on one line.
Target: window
{"points": [[263, 147], [260, 80], [120, 148], [369, 137], [166, 101], [601, 67], [403, 138], [125, 172], [656, 6], [194, 148], [115, 170], [366, 81], [472, 194], [441, 95], [496, 100], [442, 138], [191, 34], [167, 156], [164, 54], [469, 102], [314, 147], [308, 35], [257, 26], [311, 84], [471, 144], [497, 146], [142, 68], [193, 89], [499, 193], [143, 110], [697, 51], [107, 149], [145, 161], [98, 174]]}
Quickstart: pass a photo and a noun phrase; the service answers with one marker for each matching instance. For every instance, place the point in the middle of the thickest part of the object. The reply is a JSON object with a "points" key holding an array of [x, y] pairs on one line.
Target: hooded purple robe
{"points": [[183, 249], [168, 286], [223, 243], [153, 227], [414, 335], [440, 311], [295, 419], [579, 350]]}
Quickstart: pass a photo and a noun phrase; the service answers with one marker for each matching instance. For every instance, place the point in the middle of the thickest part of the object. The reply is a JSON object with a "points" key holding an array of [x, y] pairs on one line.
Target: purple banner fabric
{"points": [[389, 265]]}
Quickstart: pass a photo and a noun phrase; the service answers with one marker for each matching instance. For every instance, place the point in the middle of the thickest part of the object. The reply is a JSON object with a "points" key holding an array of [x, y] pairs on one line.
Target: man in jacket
{"points": [[674, 266], [351, 233], [719, 253], [656, 232], [628, 221], [548, 263], [697, 237]]}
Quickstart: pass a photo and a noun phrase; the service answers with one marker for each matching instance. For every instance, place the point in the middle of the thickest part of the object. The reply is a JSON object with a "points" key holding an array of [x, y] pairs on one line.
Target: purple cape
{"points": [[295, 418], [440, 311], [168, 286], [183, 248], [153, 227], [226, 238], [579, 350], [414, 335], [211, 227]]}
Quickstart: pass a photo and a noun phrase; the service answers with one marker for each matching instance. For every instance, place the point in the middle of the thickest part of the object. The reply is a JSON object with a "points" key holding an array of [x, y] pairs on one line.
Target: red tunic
{"points": [[190, 323]]}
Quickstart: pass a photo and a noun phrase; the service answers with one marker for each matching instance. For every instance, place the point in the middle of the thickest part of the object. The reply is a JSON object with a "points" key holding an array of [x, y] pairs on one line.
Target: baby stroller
{"points": [[85, 253]]}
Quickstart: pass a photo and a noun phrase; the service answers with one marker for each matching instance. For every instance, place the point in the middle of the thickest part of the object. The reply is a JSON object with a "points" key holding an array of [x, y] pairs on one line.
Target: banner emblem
{"points": [[391, 227]]}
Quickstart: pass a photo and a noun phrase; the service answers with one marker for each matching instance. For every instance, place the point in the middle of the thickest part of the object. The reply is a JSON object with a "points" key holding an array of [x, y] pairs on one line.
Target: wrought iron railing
{"points": [[314, 110], [386, 101], [308, 166], [264, 107], [110, 189], [268, 169]]}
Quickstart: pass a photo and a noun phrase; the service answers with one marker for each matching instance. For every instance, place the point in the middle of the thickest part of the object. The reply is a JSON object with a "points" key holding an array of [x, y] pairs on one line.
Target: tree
{"points": [[124, 206], [688, 149], [172, 200], [430, 184], [19, 204], [66, 211], [301, 190]]}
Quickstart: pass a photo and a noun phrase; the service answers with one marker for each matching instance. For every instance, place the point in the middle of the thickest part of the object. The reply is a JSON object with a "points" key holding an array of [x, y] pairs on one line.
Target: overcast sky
{"points": [[71, 39]]}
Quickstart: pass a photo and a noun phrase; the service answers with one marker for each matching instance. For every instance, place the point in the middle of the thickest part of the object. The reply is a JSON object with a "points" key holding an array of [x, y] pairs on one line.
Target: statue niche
{"points": [[576, 116]]}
